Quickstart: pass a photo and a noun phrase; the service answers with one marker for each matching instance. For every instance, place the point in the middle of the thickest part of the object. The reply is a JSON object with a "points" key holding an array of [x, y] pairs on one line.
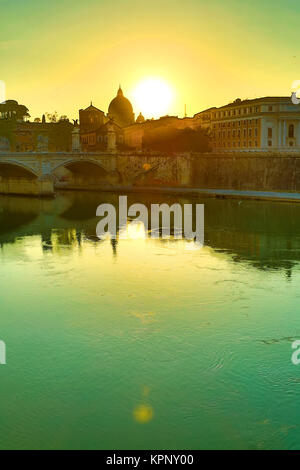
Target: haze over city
{"points": [[60, 55]]}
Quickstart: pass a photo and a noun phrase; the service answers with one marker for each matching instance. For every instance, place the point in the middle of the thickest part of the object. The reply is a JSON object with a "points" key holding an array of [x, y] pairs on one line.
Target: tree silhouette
{"points": [[171, 140]]}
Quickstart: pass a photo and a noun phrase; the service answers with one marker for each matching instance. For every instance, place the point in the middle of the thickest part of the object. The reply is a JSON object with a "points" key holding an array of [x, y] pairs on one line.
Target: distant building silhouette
{"points": [[17, 134], [140, 119], [120, 110], [98, 131], [91, 118]]}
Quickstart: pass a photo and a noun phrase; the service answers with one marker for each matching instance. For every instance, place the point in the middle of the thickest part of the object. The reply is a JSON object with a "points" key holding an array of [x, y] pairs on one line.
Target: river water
{"points": [[145, 344]]}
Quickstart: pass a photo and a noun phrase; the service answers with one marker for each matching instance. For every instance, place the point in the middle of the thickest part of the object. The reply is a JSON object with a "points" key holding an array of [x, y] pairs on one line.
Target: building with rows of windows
{"points": [[263, 124]]}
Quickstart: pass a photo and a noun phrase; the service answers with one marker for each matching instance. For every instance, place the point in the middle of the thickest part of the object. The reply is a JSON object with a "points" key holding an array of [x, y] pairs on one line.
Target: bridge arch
{"points": [[74, 162], [15, 169], [18, 178], [83, 173]]}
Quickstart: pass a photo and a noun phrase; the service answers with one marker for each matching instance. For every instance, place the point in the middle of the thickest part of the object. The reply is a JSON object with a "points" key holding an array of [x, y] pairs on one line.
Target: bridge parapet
{"points": [[122, 169]]}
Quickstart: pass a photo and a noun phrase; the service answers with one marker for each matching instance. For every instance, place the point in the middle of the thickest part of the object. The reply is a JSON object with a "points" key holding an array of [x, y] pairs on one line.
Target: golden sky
{"points": [[59, 55]]}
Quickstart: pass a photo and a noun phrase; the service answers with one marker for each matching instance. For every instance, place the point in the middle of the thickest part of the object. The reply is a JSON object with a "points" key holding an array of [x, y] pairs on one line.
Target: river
{"points": [[143, 343]]}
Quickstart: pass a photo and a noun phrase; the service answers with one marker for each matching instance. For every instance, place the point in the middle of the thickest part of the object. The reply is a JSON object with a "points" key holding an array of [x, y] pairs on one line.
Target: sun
{"points": [[153, 97]]}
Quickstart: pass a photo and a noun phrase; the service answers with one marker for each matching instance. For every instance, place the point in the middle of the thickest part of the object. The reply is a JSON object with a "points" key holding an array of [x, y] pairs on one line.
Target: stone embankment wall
{"points": [[260, 172]]}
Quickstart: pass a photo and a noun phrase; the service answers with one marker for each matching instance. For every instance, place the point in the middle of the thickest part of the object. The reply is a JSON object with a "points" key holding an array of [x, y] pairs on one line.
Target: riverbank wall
{"points": [[246, 172]]}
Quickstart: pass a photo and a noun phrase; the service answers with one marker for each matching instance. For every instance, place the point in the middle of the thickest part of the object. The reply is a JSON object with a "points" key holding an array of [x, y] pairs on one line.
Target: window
{"points": [[250, 132], [291, 143], [255, 132], [250, 143], [291, 131], [270, 132], [270, 143], [256, 143], [270, 108]]}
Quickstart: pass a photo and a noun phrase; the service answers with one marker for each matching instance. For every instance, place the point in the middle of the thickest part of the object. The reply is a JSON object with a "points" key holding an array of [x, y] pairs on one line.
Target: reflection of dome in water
{"points": [[120, 110]]}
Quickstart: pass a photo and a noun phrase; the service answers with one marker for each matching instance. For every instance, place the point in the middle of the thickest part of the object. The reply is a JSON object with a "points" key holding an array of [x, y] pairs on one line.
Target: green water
{"points": [[145, 344]]}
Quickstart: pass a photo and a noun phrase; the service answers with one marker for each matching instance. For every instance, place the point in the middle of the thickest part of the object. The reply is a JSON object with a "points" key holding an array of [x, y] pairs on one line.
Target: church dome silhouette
{"points": [[140, 119], [120, 110]]}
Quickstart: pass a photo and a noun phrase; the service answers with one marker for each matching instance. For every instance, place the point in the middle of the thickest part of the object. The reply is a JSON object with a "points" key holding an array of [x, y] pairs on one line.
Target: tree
{"points": [[171, 140], [52, 117]]}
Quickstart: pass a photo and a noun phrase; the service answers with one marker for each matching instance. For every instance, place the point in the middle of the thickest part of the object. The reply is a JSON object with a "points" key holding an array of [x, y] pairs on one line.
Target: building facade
{"points": [[91, 118], [204, 118], [265, 124], [97, 129], [100, 132], [109, 136]]}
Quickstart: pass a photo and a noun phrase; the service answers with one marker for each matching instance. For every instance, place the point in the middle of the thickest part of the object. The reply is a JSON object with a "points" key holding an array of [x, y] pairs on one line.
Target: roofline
{"points": [[93, 107], [268, 99], [276, 99]]}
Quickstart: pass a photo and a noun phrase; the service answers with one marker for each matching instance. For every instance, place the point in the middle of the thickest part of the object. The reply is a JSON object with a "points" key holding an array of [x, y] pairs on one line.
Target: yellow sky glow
{"points": [[61, 55]]}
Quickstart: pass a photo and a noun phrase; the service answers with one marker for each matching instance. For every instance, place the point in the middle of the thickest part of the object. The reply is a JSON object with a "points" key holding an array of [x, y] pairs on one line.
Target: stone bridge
{"points": [[39, 174]]}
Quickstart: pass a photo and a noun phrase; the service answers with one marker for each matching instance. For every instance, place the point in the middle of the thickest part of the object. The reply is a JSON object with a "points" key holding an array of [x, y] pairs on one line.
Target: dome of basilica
{"points": [[120, 110], [140, 119]]}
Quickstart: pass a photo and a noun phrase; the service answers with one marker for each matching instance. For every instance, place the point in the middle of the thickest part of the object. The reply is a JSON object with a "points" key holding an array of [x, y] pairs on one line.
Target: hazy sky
{"points": [[61, 54]]}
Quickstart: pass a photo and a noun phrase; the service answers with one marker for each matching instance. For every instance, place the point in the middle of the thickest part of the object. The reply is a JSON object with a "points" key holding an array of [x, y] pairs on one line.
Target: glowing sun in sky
{"points": [[152, 97]]}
